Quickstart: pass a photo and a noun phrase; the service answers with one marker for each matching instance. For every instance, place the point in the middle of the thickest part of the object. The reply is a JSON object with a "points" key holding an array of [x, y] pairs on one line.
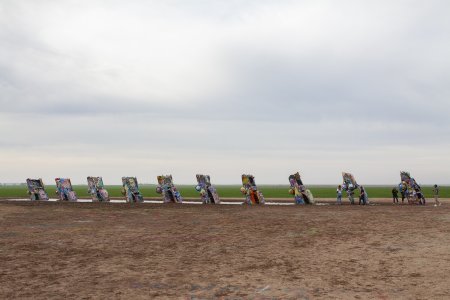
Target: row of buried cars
{"points": [[208, 193], [130, 189], [166, 188]]}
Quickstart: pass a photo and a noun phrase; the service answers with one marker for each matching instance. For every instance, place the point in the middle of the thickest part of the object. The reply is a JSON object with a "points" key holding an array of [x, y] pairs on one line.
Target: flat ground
{"points": [[97, 250], [225, 191]]}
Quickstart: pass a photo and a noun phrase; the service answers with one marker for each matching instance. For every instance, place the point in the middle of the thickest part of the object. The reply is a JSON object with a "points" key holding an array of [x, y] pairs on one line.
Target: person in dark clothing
{"points": [[395, 195], [403, 192], [362, 195], [420, 197]]}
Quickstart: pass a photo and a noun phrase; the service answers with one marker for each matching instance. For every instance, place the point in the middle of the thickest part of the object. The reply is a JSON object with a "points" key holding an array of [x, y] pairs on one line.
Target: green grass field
{"points": [[225, 191]]}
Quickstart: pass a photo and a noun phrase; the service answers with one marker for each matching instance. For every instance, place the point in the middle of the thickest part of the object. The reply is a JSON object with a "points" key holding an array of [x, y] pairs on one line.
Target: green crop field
{"points": [[225, 191]]}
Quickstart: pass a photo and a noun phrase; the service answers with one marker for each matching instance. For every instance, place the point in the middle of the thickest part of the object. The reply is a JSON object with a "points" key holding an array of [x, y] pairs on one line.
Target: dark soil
{"points": [[112, 251]]}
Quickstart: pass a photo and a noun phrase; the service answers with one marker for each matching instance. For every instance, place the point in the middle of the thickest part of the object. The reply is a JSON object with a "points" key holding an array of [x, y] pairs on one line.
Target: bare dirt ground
{"points": [[112, 251]]}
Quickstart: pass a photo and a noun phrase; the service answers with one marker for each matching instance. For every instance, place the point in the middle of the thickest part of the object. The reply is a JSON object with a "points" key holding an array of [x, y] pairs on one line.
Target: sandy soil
{"points": [[97, 250]]}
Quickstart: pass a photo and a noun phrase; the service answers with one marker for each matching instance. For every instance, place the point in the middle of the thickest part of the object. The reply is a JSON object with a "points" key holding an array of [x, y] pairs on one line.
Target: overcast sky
{"points": [[141, 88]]}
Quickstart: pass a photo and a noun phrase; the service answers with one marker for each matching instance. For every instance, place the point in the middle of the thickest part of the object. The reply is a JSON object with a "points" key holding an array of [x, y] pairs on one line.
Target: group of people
{"points": [[363, 198], [416, 193]]}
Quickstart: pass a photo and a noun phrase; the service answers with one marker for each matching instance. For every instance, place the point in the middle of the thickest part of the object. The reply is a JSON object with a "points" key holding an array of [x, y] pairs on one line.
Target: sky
{"points": [[183, 87]]}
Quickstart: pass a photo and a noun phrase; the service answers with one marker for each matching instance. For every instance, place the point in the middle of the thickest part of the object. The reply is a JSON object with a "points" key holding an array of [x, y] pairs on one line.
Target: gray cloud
{"points": [[260, 86]]}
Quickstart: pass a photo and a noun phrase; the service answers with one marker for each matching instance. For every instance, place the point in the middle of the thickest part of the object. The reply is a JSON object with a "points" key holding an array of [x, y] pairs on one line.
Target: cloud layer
{"points": [[225, 87]]}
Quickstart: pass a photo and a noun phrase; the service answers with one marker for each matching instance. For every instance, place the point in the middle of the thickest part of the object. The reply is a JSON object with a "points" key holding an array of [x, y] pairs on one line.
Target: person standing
{"points": [[362, 195], [350, 194], [403, 189], [436, 195], [395, 195], [339, 195], [420, 197]]}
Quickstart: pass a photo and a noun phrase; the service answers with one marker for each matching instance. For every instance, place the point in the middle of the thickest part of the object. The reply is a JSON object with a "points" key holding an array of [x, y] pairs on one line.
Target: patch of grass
{"points": [[225, 191]]}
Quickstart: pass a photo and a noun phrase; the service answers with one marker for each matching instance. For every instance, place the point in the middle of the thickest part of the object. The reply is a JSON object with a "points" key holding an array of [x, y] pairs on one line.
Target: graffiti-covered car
{"points": [[64, 189], [250, 190], [167, 189], [411, 189], [302, 195], [207, 191], [97, 189], [36, 189], [130, 189], [349, 185]]}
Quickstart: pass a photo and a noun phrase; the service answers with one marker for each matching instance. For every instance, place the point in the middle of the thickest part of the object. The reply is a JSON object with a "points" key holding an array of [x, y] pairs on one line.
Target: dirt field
{"points": [[95, 250]]}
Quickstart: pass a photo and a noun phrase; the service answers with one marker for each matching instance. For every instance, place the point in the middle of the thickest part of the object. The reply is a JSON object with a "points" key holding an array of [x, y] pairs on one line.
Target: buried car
{"points": [[36, 189], [301, 194], [130, 189], [349, 185], [411, 189], [168, 190], [64, 190], [250, 190], [207, 191], [97, 189]]}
